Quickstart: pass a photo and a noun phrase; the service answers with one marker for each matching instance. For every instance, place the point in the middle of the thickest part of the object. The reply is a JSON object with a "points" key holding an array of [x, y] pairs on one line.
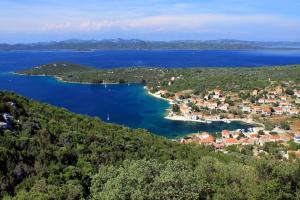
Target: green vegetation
{"points": [[50, 153], [175, 79]]}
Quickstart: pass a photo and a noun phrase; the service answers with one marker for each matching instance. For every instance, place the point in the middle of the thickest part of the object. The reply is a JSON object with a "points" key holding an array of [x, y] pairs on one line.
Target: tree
{"points": [[175, 108], [285, 125], [289, 91]]}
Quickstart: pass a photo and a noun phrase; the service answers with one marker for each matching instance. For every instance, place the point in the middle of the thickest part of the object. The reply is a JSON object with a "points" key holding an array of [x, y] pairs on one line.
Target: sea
{"points": [[124, 104]]}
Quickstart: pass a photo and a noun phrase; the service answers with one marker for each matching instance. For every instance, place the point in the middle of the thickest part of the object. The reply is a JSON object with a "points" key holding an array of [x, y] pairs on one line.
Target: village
{"points": [[268, 109]]}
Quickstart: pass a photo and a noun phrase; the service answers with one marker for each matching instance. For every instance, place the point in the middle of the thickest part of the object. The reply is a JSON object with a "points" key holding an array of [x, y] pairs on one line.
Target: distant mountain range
{"points": [[135, 44]]}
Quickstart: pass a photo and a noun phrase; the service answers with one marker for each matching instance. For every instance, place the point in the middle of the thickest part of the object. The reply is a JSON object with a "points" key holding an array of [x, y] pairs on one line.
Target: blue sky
{"points": [[48, 20]]}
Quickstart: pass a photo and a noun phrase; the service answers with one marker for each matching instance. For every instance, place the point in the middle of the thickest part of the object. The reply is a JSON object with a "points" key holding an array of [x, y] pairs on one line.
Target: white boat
{"points": [[107, 117]]}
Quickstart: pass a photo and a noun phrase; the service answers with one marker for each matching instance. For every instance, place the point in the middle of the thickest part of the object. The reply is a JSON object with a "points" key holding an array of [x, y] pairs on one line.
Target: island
{"points": [[267, 97]]}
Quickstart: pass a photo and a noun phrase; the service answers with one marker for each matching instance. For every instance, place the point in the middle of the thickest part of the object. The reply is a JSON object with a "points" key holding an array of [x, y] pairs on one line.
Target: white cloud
{"points": [[213, 26], [172, 23]]}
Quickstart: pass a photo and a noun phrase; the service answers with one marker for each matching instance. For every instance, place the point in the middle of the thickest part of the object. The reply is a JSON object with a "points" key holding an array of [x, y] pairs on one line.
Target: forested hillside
{"points": [[51, 153], [174, 79]]}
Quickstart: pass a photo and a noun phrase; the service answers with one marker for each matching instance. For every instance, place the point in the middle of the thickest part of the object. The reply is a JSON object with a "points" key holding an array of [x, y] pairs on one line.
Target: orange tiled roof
{"points": [[225, 132], [275, 137], [231, 140], [266, 109], [209, 139]]}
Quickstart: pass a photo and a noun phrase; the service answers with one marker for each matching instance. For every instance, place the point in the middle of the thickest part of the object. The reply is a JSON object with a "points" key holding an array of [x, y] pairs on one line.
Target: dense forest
{"points": [[174, 79], [51, 153]]}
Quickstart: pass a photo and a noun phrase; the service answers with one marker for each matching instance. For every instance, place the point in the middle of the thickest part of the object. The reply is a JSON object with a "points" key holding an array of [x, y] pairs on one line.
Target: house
{"points": [[211, 105], [283, 103], [203, 135], [223, 107], [286, 109], [274, 138], [246, 141], [178, 95], [283, 98], [236, 134], [225, 134], [246, 109], [297, 93], [270, 101], [245, 102], [230, 141], [294, 111], [207, 140], [297, 137], [278, 110], [257, 109], [297, 101], [266, 111], [261, 100], [216, 96], [264, 139]]}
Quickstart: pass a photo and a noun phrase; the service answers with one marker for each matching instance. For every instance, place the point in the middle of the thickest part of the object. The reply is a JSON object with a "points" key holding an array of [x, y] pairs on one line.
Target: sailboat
{"points": [[107, 117]]}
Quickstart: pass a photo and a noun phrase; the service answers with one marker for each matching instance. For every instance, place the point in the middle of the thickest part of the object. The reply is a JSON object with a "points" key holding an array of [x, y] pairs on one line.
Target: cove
{"points": [[128, 105]]}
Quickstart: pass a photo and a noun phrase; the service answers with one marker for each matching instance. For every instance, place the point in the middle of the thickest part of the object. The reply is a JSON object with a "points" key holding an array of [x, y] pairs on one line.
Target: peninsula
{"points": [[265, 96]]}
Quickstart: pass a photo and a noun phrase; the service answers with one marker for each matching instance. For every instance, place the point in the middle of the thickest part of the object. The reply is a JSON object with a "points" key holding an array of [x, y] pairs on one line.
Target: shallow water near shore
{"points": [[129, 105]]}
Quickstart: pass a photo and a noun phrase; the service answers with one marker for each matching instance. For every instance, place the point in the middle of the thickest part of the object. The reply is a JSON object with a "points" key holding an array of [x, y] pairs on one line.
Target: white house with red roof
{"points": [[225, 134], [278, 110]]}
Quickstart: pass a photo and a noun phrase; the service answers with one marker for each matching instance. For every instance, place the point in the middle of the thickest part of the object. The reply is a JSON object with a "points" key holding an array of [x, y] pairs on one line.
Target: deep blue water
{"points": [[127, 105]]}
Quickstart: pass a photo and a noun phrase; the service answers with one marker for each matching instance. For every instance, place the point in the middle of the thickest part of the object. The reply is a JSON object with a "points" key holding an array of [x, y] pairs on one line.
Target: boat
{"points": [[107, 117]]}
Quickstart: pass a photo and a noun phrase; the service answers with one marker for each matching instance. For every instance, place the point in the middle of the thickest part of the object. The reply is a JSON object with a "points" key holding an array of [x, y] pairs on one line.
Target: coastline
{"points": [[168, 116], [181, 118], [64, 81], [246, 121]]}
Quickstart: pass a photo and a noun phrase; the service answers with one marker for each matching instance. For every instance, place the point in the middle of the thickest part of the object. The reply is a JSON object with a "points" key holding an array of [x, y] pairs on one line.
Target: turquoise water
{"points": [[127, 105]]}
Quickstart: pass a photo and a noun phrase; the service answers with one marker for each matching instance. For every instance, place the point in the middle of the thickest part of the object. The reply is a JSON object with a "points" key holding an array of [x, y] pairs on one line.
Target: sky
{"points": [[25, 21]]}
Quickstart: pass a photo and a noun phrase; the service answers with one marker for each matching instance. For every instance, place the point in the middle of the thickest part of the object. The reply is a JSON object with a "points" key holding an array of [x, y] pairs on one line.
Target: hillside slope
{"points": [[50, 153]]}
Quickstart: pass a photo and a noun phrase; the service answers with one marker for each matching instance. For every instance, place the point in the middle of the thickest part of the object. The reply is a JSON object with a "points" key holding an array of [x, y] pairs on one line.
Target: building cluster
{"points": [[216, 105], [238, 137]]}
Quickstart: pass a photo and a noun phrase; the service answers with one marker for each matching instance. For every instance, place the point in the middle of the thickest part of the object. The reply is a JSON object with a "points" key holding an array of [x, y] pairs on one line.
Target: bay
{"points": [[127, 105]]}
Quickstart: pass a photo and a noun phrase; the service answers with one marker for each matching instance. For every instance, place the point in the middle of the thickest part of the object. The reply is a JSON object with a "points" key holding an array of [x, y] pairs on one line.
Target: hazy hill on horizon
{"points": [[137, 44]]}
